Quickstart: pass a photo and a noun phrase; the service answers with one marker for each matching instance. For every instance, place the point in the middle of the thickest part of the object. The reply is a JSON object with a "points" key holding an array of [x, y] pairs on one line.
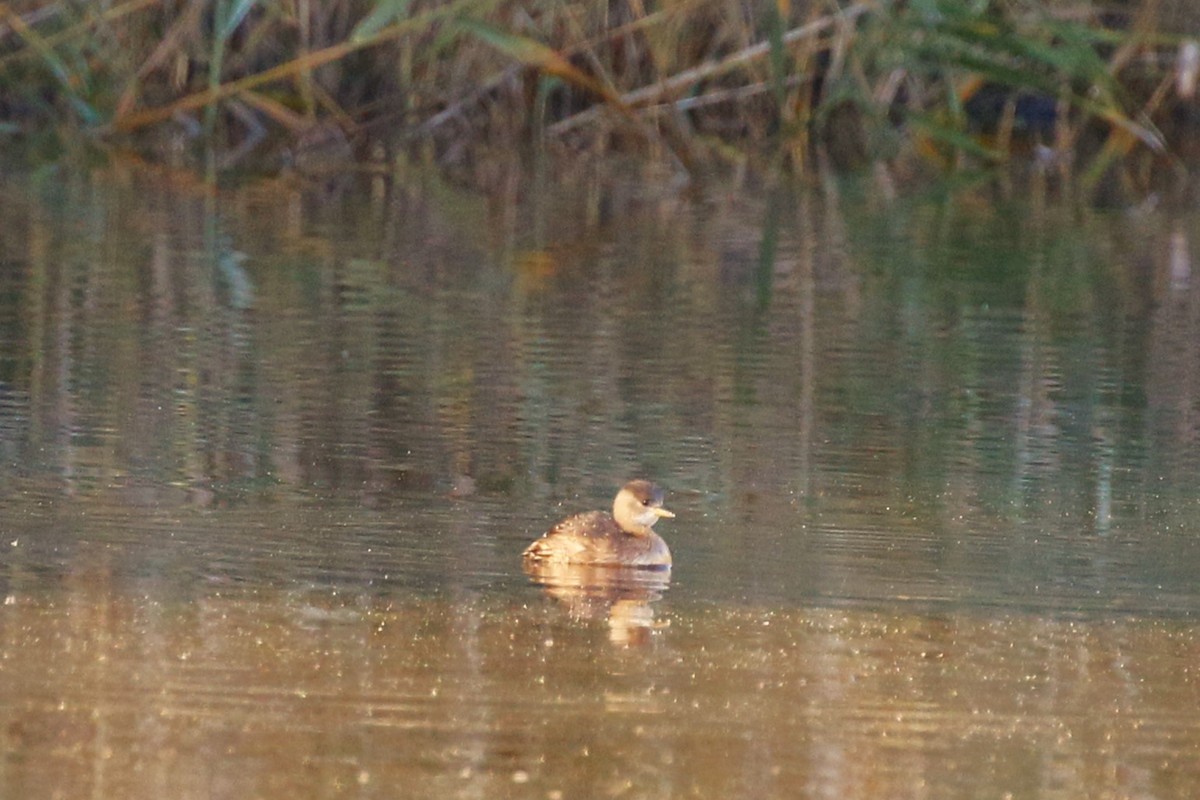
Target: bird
{"points": [[621, 539]]}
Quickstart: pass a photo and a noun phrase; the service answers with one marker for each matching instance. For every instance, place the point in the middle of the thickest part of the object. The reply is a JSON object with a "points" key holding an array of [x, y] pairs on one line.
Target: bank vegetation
{"points": [[1069, 85]]}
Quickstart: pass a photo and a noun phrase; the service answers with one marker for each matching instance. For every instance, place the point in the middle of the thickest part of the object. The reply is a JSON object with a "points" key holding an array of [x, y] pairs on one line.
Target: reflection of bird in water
{"points": [[621, 539], [621, 596]]}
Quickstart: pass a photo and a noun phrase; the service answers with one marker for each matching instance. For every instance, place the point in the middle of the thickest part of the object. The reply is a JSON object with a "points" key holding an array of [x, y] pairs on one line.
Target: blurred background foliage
{"points": [[1070, 85]]}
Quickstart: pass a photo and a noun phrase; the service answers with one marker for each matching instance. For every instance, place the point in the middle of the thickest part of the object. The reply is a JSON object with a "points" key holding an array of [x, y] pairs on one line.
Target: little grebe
{"points": [[620, 539]]}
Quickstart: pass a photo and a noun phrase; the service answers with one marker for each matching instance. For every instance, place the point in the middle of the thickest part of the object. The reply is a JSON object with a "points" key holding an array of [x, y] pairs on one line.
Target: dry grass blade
{"points": [[683, 80], [55, 40], [68, 79], [539, 56], [290, 69], [167, 46], [458, 108], [140, 119]]}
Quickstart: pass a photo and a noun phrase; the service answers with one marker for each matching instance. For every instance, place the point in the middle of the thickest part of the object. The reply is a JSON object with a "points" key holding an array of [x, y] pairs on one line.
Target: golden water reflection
{"points": [[294, 694], [622, 597]]}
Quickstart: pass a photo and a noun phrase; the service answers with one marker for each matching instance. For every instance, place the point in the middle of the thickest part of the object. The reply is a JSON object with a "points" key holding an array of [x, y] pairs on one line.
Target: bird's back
{"points": [[595, 538]]}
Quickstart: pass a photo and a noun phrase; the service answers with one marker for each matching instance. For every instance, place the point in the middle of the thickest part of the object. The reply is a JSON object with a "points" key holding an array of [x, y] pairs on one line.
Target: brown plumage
{"points": [[622, 538]]}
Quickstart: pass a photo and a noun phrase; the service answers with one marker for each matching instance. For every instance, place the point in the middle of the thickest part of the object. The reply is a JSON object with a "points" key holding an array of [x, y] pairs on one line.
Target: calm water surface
{"points": [[269, 456]]}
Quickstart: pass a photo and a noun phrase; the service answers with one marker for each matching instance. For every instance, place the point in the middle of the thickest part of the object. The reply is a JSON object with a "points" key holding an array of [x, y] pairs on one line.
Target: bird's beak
{"points": [[659, 511]]}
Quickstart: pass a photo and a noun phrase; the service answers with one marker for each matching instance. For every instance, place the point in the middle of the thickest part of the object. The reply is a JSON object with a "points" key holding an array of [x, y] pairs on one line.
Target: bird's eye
{"points": [[645, 502]]}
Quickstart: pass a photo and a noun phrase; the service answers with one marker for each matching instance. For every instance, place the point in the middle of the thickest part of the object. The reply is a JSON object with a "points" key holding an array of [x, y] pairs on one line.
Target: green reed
{"points": [[708, 81]]}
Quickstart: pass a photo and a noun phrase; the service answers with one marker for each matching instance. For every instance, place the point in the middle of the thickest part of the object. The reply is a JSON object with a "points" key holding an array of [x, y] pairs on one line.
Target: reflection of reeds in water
{"points": [[621, 596], [380, 357]]}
